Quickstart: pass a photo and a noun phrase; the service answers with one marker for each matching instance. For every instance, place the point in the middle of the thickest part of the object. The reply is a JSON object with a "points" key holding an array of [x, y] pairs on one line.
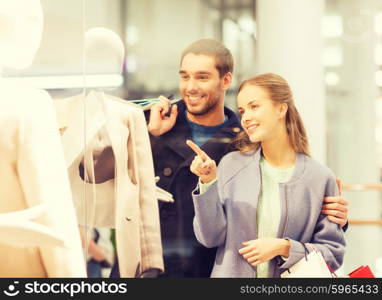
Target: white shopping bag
{"points": [[312, 265]]}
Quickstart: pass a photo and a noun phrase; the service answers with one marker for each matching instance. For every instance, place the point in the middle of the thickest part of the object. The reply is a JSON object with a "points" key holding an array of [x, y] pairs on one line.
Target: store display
{"points": [[32, 168]]}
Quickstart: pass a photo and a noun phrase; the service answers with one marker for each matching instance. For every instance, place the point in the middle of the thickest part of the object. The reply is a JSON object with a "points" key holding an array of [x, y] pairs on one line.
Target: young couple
{"points": [[265, 199]]}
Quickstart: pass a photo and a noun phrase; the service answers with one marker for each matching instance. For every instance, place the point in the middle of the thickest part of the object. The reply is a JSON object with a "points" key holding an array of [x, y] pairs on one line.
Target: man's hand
{"points": [[202, 165], [159, 123], [336, 207]]}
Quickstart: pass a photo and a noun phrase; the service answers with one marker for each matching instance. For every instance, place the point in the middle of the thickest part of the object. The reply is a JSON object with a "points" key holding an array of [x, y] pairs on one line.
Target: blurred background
{"points": [[330, 51]]}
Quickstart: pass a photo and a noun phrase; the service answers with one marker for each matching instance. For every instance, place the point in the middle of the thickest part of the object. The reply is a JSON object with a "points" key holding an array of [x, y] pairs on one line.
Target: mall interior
{"points": [[330, 51]]}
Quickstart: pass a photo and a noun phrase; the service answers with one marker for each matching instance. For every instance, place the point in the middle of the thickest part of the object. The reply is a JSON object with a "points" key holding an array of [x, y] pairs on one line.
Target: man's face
{"points": [[200, 84]]}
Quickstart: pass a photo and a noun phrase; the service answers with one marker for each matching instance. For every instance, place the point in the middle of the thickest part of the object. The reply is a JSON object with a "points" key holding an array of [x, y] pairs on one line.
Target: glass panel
{"points": [[40, 61]]}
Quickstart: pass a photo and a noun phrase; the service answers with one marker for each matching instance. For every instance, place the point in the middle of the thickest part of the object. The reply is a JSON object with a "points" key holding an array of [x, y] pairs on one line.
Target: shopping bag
{"points": [[312, 265], [361, 272]]}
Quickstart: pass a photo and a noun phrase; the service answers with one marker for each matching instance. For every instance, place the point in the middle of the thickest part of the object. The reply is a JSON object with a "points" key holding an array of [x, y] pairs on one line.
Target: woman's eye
{"points": [[254, 106]]}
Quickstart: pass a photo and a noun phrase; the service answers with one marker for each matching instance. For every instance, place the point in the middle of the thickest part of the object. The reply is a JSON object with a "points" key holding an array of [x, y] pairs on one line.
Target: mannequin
{"points": [[35, 196], [104, 51], [20, 32], [116, 162]]}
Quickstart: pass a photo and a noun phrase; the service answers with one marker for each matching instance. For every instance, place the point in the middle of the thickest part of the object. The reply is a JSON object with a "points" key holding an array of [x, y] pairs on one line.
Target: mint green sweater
{"points": [[269, 207]]}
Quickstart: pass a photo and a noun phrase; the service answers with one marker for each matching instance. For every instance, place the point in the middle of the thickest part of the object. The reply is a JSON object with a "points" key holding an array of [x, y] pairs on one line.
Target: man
{"points": [[206, 68]]}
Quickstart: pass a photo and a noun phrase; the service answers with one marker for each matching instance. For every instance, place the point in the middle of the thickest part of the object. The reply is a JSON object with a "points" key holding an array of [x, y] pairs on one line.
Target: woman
{"points": [[266, 198]]}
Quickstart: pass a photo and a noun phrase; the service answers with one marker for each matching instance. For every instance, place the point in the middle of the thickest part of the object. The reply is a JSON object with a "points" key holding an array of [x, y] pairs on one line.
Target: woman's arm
{"points": [[210, 221]]}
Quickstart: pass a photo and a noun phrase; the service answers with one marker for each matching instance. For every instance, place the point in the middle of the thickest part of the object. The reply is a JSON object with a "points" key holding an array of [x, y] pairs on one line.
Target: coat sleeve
{"points": [[151, 245], [328, 238], [44, 179], [210, 221]]}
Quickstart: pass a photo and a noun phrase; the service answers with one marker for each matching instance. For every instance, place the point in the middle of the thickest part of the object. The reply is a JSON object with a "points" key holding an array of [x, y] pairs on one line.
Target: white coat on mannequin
{"points": [[32, 165], [126, 200]]}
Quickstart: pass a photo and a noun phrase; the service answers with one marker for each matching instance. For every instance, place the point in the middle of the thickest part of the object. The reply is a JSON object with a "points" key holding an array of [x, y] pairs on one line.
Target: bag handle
{"points": [[334, 275], [306, 251]]}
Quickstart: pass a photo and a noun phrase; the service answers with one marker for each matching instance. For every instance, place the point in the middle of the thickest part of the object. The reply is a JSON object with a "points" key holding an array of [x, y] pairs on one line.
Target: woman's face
{"points": [[261, 117]]}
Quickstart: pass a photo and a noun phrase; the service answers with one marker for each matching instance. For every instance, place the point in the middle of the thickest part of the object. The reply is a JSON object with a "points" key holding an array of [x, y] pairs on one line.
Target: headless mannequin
{"points": [[33, 179]]}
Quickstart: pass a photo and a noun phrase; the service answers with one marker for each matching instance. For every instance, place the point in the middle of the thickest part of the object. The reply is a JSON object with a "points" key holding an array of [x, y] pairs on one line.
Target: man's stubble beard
{"points": [[212, 103]]}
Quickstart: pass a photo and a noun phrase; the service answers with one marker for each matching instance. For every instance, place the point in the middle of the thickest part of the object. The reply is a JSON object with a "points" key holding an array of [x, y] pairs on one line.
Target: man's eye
{"points": [[254, 106], [203, 77], [184, 77]]}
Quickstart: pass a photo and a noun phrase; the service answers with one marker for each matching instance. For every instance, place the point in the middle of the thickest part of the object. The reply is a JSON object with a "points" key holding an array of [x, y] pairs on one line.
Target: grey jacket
{"points": [[225, 215]]}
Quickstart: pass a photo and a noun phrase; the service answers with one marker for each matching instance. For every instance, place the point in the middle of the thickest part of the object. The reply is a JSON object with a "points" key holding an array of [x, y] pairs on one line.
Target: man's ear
{"points": [[227, 81]]}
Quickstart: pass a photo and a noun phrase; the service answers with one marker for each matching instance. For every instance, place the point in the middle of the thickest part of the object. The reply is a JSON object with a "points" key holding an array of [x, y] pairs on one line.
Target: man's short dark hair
{"points": [[223, 57]]}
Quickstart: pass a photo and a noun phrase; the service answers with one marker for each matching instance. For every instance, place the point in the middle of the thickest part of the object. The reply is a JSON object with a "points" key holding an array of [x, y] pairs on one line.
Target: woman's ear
{"points": [[283, 108]]}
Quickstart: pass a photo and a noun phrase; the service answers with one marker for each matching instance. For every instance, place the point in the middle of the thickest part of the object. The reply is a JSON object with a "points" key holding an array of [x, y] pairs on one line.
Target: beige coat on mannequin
{"points": [[32, 172], [128, 202]]}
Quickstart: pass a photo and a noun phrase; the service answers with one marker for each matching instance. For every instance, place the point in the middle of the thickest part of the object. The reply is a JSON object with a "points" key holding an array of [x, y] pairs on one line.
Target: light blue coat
{"points": [[225, 215]]}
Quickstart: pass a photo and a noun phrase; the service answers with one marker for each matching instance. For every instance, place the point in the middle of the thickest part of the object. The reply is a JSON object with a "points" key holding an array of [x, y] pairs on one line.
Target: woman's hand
{"points": [[202, 165], [264, 249]]}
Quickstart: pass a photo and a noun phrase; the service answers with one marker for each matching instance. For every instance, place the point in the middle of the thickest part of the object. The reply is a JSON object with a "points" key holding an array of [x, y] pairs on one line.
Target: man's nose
{"points": [[191, 85]]}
